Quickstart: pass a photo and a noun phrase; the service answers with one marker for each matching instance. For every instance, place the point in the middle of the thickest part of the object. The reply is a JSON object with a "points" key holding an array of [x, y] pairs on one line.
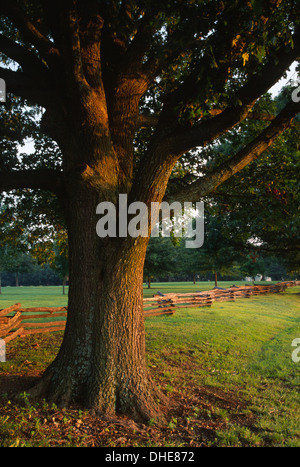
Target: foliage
{"points": [[264, 198], [227, 56], [161, 259]]}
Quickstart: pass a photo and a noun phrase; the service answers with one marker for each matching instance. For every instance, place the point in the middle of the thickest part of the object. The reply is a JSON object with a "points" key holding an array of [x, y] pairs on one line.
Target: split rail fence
{"points": [[167, 304], [17, 321]]}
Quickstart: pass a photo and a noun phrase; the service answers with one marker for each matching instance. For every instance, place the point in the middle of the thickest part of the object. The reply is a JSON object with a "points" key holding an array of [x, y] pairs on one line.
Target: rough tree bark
{"points": [[101, 362], [102, 358]]}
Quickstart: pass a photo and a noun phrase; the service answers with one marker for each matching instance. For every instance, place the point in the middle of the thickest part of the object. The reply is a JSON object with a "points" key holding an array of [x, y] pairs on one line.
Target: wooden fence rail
{"points": [[30, 321], [167, 304], [17, 321]]}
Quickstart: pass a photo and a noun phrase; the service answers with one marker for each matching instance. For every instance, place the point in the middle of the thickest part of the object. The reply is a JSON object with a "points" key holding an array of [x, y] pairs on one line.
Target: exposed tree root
{"points": [[140, 402]]}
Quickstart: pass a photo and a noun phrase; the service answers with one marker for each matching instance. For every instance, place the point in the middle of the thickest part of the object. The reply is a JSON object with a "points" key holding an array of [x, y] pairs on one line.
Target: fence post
{"points": [[2, 90], [2, 351]]}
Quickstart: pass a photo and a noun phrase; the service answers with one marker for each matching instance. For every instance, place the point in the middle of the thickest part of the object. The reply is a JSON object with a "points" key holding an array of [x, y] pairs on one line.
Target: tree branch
{"points": [[165, 148], [263, 116], [29, 31], [249, 153], [141, 41], [91, 24], [146, 121], [21, 55], [49, 180], [183, 138], [151, 120], [24, 86]]}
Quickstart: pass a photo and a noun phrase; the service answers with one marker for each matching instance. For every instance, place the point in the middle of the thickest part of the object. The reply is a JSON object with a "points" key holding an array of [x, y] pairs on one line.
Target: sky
{"points": [[291, 74]]}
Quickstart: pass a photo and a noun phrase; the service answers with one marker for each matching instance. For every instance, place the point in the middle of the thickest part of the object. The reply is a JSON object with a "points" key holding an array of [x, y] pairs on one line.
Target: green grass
{"points": [[186, 287], [244, 347], [230, 366], [52, 295], [33, 296]]}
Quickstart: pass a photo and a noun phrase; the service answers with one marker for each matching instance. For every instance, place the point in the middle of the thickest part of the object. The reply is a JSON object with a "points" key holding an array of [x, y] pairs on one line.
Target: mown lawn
{"points": [[227, 371], [53, 296]]}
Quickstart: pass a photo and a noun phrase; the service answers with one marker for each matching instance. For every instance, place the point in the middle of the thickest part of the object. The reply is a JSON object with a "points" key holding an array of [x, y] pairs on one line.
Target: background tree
{"points": [[100, 71], [253, 265], [18, 262], [53, 251], [4, 258], [263, 200], [219, 260], [61, 263], [13, 252], [189, 262], [161, 259], [224, 245]]}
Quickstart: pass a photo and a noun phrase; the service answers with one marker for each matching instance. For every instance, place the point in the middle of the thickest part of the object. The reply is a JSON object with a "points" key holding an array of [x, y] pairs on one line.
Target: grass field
{"points": [[52, 295], [227, 371]]}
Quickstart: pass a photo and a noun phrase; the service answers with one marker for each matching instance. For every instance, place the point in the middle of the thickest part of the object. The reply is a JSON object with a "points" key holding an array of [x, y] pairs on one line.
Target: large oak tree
{"points": [[182, 71]]}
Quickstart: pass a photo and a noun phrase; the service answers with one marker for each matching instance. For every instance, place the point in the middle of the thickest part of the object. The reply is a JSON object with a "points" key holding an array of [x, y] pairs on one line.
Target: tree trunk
{"points": [[101, 362], [64, 282], [216, 278], [149, 282]]}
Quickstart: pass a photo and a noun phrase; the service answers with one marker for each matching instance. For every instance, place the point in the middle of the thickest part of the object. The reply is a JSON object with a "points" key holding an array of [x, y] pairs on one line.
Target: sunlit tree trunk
{"points": [[101, 362]]}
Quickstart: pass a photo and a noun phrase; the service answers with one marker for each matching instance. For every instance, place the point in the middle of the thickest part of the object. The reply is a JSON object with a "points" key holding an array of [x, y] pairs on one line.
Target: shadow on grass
{"points": [[11, 386]]}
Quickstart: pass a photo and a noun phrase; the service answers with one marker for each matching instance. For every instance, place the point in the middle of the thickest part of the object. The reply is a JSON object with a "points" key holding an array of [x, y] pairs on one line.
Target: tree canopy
{"points": [[189, 71]]}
